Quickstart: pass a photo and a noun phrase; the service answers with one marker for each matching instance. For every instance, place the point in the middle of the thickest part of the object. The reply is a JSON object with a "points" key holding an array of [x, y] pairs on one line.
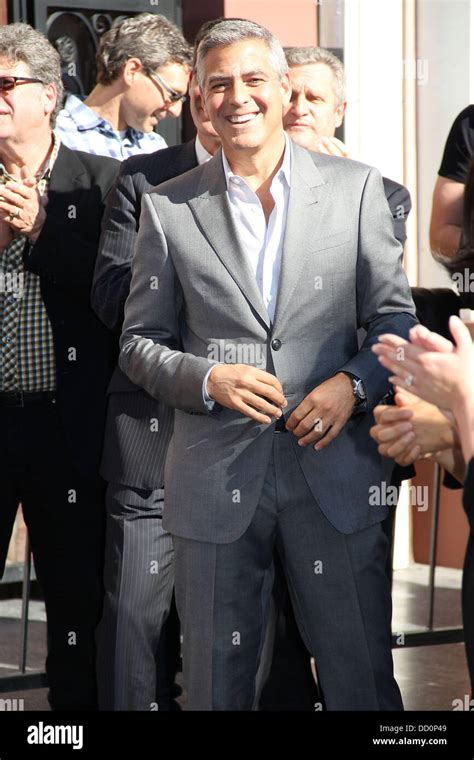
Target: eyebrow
{"points": [[307, 91], [225, 78]]}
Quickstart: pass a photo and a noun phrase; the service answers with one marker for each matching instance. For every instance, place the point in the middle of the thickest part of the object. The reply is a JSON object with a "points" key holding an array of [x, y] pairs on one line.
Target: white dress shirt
{"points": [[262, 243], [202, 154]]}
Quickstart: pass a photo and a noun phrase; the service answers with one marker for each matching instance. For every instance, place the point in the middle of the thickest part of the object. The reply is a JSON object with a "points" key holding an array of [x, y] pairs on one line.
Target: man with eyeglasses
{"points": [[142, 77], [56, 358]]}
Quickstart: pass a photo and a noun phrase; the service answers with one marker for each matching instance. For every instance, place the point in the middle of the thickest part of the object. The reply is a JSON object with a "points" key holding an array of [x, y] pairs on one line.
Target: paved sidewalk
{"points": [[430, 678]]}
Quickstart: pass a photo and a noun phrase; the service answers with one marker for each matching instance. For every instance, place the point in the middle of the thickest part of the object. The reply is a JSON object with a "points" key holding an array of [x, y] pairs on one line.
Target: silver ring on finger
{"points": [[409, 380]]}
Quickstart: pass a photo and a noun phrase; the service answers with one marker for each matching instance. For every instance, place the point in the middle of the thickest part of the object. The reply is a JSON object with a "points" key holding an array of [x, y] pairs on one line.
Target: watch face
{"points": [[359, 390]]}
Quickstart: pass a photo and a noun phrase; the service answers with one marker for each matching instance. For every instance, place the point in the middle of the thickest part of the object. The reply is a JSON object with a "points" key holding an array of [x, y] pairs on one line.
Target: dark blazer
{"points": [[399, 200], [138, 428], [64, 257]]}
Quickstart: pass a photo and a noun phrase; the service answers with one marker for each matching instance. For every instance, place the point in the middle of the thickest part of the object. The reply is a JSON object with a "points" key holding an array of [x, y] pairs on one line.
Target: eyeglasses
{"points": [[7, 84], [175, 97]]}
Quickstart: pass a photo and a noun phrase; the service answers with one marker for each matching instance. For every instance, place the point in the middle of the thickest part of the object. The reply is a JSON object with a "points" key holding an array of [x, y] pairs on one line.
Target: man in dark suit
{"points": [[56, 357], [139, 574]]}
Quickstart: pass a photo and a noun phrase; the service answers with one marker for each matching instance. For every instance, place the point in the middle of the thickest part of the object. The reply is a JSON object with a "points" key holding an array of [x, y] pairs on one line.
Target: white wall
{"points": [[373, 54], [375, 68], [444, 29]]}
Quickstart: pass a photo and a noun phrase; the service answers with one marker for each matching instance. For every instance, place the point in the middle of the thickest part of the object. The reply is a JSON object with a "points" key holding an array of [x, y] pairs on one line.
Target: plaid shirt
{"points": [[80, 128], [27, 359]]}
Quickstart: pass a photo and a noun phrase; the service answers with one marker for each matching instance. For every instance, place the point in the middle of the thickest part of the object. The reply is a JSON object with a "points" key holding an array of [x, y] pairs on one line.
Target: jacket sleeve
{"points": [[399, 201], [112, 274], [150, 344], [384, 301]]}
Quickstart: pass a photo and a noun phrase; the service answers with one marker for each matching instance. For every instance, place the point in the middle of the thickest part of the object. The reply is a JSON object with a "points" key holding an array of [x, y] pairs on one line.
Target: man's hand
{"points": [[331, 146], [323, 412], [22, 207], [250, 391], [411, 430]]}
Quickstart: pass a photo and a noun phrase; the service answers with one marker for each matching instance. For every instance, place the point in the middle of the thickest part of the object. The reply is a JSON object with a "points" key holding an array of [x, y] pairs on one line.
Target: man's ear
{"points": [[286, 89], [50, 98], [130, 70], [340, 111], [203, 101]]}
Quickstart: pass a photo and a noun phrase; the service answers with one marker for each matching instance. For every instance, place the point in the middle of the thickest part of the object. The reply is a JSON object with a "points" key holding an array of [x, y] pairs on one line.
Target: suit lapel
{"points": [[66, 170], [307, 191], [212, 210]]}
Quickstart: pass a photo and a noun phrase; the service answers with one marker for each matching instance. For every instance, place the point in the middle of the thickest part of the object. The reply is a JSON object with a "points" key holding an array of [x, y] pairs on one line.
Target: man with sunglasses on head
{"points": [[55, 357], [142, 77]]}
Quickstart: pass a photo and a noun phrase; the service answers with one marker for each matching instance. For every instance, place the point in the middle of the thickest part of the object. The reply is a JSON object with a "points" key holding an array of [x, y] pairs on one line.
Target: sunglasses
{"points": [[7, 84], [174, 96]]}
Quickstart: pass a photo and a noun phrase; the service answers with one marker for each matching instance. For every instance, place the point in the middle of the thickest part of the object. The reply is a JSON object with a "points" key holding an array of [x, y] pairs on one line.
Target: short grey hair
{"points": [[148, 36], [229, 32], [302, 56], [20, 43]]}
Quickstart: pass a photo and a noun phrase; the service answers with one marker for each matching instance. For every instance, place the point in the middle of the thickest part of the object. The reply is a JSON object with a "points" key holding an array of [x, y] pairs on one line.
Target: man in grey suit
{"points": [[250, 278], [139, 575]]}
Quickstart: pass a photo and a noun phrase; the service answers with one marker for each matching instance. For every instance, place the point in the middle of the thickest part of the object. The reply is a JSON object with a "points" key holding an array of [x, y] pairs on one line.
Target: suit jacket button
{"points": [[276, 344]]}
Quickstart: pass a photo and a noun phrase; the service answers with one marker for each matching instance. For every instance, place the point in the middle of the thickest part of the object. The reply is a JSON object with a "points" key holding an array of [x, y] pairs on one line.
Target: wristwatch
{"points": [[358, 389]]}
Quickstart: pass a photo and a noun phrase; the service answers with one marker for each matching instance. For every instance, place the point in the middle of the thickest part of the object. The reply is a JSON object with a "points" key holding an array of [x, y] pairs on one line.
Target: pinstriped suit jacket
{"points": [[341, 269], [138, 428]]}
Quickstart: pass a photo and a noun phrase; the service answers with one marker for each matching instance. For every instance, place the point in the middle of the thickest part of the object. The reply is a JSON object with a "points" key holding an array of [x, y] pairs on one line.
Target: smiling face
{"points": [[146, 102], [313, 110], [25, 111], [244, 96]]}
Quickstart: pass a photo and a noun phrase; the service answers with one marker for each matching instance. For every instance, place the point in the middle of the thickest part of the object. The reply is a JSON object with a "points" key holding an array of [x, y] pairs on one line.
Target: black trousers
{"points": [[65, 515]]}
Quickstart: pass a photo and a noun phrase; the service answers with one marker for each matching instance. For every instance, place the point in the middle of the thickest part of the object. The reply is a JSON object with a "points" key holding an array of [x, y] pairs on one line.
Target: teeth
{"points": [[242, 119]]}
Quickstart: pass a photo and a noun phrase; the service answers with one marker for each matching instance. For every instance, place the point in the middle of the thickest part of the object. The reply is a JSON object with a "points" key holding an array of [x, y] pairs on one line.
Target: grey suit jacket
{"points": [[194, 300], [137, 428]]}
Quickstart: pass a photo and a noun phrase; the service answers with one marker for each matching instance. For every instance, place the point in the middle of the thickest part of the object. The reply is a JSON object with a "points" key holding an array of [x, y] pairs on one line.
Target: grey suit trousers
{"points": [[339, 590], [138, 579]]}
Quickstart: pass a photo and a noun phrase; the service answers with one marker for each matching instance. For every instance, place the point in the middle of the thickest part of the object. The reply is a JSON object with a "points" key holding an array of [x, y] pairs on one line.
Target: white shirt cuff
{"points": [[209, 402]]}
